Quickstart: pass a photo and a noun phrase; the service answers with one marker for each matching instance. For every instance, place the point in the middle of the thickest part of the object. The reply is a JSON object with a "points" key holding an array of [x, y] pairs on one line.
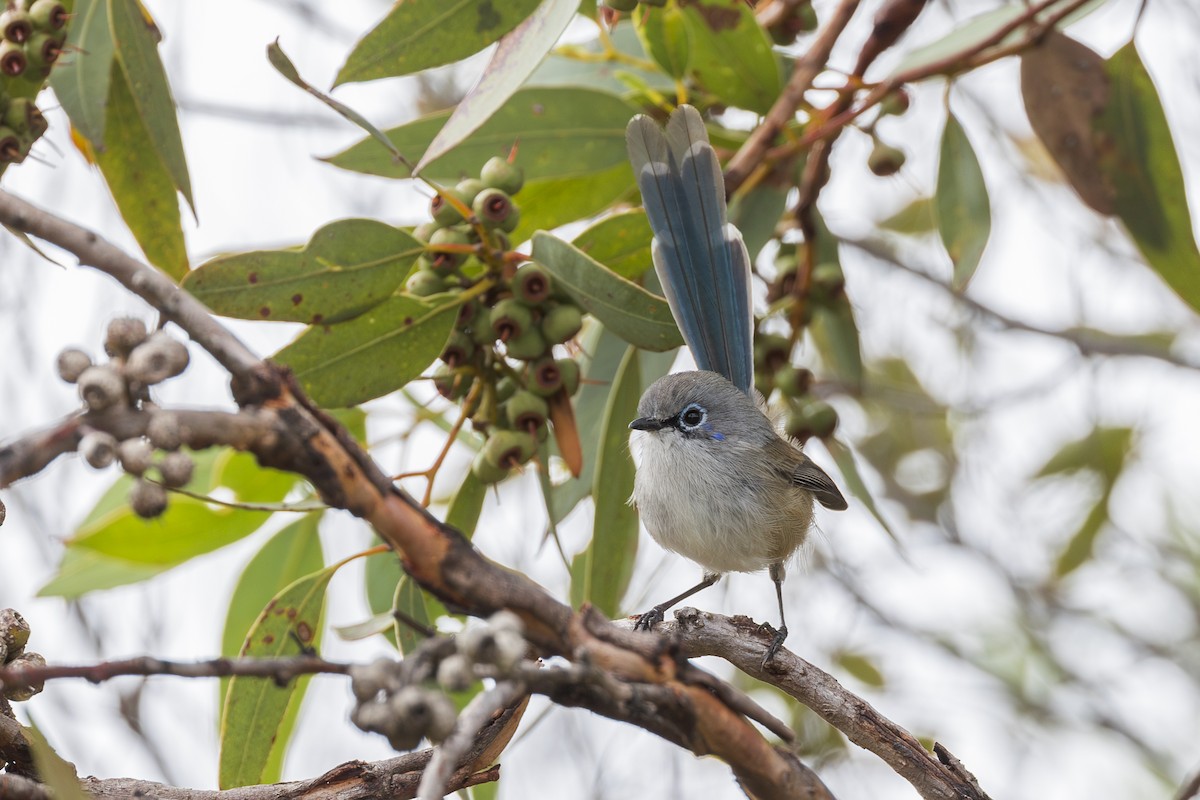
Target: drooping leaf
{"points": [[620, 242], [964, 214], [916, 218], [861, 667], [1064, 87], [600, 574], [731, 55], [663, 33], [843, 456], [561, 132], [1082, 543], [419, 34], [81, 82], [372, 354], [1102, 451], [83, 571], [627, 309], [256, 708], [189, 527], [347, 267], [56, 773], [835, 333], [1138, 156], [467, 505], [136, 43], [290, 554], [139, 182], [517, 55]]}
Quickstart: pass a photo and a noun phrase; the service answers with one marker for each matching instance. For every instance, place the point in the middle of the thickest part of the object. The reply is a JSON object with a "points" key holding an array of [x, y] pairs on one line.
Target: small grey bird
{"points": [[715, 483]]}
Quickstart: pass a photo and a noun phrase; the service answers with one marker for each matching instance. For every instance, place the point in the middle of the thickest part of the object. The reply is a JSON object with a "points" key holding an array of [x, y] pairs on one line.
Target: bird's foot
{"points": [[648, 619], [776, 644]]}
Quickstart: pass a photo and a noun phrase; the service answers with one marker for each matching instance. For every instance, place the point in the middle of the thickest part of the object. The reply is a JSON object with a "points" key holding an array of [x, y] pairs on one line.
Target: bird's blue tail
{"points": [[699, 257]]}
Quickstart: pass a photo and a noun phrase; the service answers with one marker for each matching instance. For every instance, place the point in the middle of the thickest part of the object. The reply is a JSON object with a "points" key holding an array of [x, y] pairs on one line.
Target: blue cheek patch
{"points": [[720, 437]]}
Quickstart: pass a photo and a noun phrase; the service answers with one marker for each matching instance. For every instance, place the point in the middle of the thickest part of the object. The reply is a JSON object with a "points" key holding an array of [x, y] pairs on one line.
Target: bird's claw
{"points": [[776, 644], [648, 620]]}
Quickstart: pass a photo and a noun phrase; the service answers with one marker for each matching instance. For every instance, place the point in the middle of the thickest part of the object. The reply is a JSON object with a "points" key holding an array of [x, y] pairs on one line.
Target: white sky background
{"points": [[1048, 263]]}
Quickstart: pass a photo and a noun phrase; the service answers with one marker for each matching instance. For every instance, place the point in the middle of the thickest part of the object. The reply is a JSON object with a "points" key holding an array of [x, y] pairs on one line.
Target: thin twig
{"points": [[481, 710], [281, 670]]}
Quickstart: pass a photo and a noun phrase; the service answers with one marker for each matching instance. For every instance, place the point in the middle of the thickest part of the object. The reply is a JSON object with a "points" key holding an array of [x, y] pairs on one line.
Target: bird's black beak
{"points": [[647, 424]]}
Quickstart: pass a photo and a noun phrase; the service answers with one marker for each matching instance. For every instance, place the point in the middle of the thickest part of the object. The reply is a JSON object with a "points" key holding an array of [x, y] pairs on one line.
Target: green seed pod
{"points": [[506, 387], [48, 15], [508, 448], [806, 15], [487, 472], [812, 418], [532, 284], [443, 212], [424, 282], [481, 332], [525, 411], [425, 230], [447, 262], [771, 351], [545, 377], [828, 280], [469, 189], [792, 381], [885, 160], [42, 50], [528, 346], [785, 277], [16, 25], [562, 323], [511, 320], [12, 58], [450, 383], [497, 173], [493, 207], [896, 103], [467, 313], [569, 368], [12, 151], [19, 114], [458, 349]]}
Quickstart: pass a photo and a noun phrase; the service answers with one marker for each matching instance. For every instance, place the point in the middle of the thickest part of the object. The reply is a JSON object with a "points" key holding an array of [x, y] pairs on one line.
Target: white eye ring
{"points": [[692, 417]]}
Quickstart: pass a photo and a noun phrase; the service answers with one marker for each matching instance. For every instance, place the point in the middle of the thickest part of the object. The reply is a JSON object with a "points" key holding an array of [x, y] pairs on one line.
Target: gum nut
{"points": [[158, 358], [509, 650], [443, 211], [135, 455], [122, 335], [148, 500], [497, 173], [532, 285], [771, 350], [545, 377], [569, 369], [442, 716], [71, 364], [368, 680], [48, 15], [101, 387], [458, 349], [424, 282], [621, 5], [469, 188], [828, 278], [510, 319], [885, 160], [164, 431], [506, 387], [525, 411], [20, 694], [528, 346], [16, 25], [14, 631], [12, 58], [423, 231], [43, 49], [492, 207], [12, 151], [19, 114], [486, 471], [505, 620], [176, 469], [455, 673], [99, 449], [508, 448], [562, 322]]}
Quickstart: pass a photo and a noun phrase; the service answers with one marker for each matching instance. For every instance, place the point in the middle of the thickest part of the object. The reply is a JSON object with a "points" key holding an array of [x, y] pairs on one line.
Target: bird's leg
{"points": [[777, 573], [654, 616]]}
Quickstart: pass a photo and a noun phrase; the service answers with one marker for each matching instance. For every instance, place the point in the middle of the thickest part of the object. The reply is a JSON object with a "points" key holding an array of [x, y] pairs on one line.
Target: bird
{"points": [[715, 481]]}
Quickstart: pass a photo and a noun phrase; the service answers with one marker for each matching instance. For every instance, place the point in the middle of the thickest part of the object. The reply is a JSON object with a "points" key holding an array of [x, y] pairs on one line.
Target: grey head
{"points": [[701, 405]]}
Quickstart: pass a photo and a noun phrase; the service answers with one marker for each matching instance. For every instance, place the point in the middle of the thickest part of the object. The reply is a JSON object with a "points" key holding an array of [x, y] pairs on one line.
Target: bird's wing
{"points": [[807, 475], [700, 258]]}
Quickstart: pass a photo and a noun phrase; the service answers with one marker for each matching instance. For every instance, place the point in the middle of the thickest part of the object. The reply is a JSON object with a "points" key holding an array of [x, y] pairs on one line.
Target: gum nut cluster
{"points": [[138, 360], [807, 416], [14, 635], [404, 712], [31, 40], [499, 360]]}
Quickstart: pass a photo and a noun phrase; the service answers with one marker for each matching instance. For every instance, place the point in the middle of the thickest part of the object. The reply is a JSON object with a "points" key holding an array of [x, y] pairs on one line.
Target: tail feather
{"points": [[699, 257]]}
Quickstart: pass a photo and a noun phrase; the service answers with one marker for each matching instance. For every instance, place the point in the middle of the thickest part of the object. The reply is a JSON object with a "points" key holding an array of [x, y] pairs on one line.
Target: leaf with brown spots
{"points": [[256, 708], [347, 267], [731, 55]]}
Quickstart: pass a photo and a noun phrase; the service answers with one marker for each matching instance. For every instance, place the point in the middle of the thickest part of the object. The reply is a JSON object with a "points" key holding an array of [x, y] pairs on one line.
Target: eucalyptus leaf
{"points": [[964, 214], [81, 83], [620, 242], [731, 55]]}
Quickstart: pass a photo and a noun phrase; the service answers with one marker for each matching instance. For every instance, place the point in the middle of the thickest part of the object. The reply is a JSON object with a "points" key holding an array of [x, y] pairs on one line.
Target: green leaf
{"points": [[546, 204], [1103, 451], [731, 55], [383, 574], [340, 365], [419, 34], [916, 218], [862, 668], [136, 42], [140, 184], [372, 626], [1139, 158], [843, 456], [835, 333], [561, 132], [287, 556], [600, 574], [517, 55], [630, 311], [412, 602], [81, 82], [467, 505], [564, 67], [1081, 545], [620, 242], [82, 571], [190, 527], [56, 773], [347, 267], [964, 214], [663, 33], [256, 708]]}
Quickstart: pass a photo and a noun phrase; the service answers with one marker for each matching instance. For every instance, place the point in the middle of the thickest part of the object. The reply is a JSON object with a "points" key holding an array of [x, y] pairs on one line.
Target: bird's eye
{"points": [[693, 416]]}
